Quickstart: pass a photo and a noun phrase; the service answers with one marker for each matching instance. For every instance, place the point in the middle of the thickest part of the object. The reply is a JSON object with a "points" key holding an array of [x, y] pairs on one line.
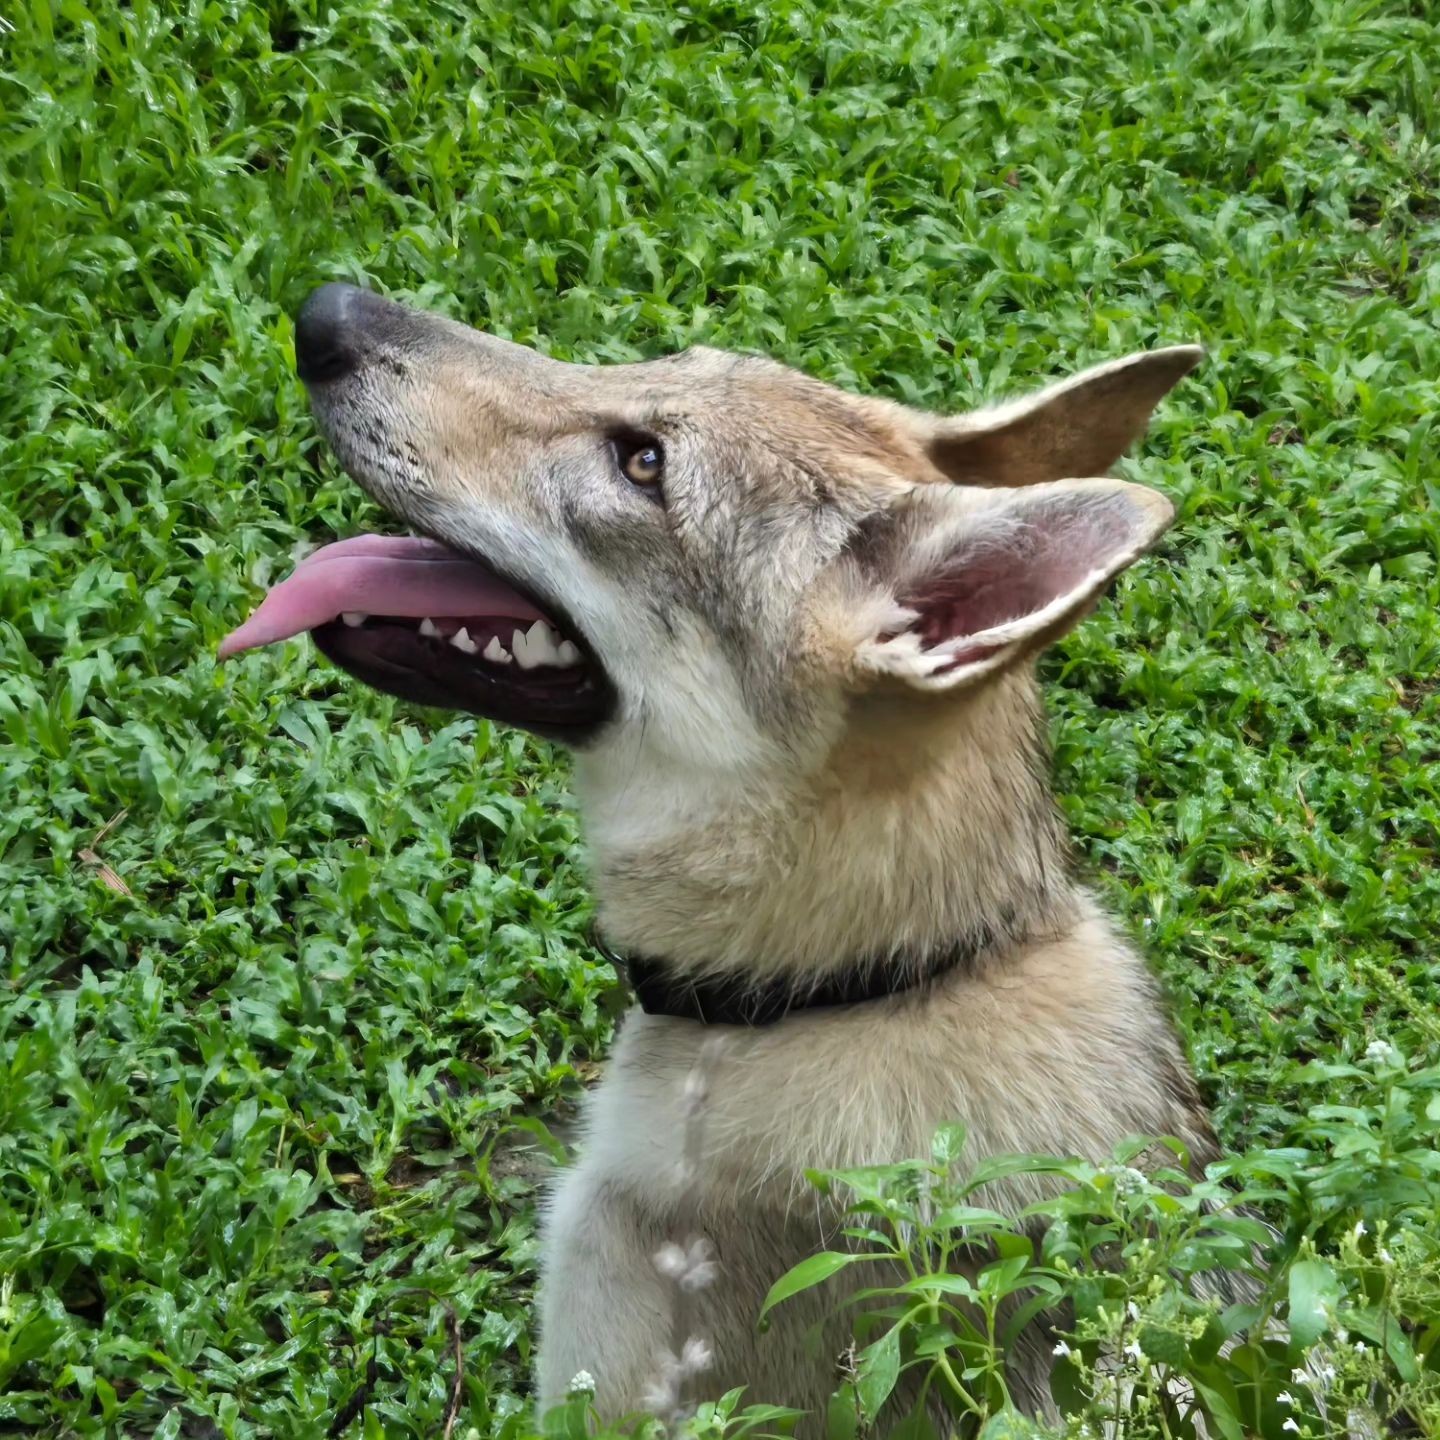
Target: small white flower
{"points": [[1359, 1229], [1062, 1349], [1286, 1398], [1291, 1424], [581, 1383], [1133, 1310], [1126, 1178], [1386, 1257], [1299, 1376], [1382, 1052], [1359, 1347]]}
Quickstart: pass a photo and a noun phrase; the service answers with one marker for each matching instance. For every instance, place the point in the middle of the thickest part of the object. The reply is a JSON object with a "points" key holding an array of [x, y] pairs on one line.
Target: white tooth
{"points": [[496, 652], [520, 644], [461, 641], [568, 653], [353, 618], [543, 643], [427, 627]]}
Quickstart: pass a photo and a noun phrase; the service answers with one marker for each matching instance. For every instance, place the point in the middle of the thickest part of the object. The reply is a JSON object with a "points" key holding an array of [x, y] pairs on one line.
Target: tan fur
{"points": [[799, 776], [1040, 1058], [1058, 1046], [911, 830]]}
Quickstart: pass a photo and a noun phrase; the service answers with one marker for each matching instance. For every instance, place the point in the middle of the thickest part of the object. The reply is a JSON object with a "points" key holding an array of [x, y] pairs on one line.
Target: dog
{"points": [[788, 633]]}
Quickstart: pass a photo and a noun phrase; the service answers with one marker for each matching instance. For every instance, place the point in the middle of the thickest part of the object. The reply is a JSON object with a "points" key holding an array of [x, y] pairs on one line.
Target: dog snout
{"points": [[335, 329], [325, 346]]}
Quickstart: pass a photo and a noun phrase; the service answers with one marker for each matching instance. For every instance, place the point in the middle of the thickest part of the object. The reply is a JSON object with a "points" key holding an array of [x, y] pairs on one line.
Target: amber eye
{"points": [[642, 463]]}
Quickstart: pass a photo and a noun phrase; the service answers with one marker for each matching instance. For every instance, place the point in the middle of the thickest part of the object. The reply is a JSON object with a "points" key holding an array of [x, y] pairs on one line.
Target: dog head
{"points": [[696, 562]]}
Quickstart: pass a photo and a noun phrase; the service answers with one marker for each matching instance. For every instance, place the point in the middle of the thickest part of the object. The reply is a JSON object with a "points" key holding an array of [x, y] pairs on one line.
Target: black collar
{"points": [[737, 1000]]}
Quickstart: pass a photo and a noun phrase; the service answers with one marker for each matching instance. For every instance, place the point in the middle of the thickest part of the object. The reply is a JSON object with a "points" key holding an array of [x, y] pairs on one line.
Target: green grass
{"points": [[249, 1107]]}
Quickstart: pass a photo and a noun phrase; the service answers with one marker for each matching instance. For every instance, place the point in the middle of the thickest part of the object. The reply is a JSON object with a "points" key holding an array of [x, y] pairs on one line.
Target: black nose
{"points": [[325, 333]]}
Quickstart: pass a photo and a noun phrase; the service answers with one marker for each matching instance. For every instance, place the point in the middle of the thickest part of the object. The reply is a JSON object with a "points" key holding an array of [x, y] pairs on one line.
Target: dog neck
{"points": [[924, 825]]}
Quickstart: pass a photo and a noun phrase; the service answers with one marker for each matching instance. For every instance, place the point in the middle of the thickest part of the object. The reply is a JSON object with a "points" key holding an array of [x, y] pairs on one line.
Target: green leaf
{"points": [[877, 1370], [1314, 1294], [842, 1413], [1001, 1276], [1009, 1246], [916, 1425], [948, 1145], [1169, 1347], [1010, 1425], [1068, 1388], [1387, 1330], [1208, 1344], [1221, 1404], [30, 1338], [1001, 1167], [808, 1273], [939, 1283], [959, 1217], [1023, 1314]]}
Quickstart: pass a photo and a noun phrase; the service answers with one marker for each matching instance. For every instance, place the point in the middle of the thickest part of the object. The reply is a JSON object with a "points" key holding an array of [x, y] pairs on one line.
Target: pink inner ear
{"points": [[985, 590], [1002, 577]]}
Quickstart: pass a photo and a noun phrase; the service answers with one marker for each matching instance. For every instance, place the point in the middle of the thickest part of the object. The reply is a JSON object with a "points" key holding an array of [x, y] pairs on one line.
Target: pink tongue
{"points": [[378, 575]]}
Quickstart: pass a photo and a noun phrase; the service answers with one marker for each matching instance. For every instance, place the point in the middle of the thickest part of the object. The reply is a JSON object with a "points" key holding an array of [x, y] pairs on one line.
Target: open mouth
{"points": [[420, 621]]}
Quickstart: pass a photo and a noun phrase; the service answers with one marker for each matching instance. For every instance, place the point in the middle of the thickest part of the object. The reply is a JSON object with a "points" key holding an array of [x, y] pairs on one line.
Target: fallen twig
{"points": [[452, 1411], [108, 877], [354, 1407], [91, 856]]}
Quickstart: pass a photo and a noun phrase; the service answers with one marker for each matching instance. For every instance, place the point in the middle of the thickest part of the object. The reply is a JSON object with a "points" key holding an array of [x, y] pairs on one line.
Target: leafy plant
{"points": [[1170, 1303]]}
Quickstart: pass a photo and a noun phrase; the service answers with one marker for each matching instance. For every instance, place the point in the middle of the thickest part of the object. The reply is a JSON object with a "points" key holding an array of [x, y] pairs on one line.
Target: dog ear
{"points": [[1078, 427], [959, 583]]}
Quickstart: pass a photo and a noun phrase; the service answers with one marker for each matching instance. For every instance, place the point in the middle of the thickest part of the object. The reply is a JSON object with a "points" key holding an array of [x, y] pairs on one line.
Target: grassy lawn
{"points": [[284, 962]]}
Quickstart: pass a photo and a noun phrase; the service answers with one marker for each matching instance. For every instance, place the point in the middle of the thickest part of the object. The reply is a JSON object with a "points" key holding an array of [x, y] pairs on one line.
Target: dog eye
{"points": [[641, 462]]}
